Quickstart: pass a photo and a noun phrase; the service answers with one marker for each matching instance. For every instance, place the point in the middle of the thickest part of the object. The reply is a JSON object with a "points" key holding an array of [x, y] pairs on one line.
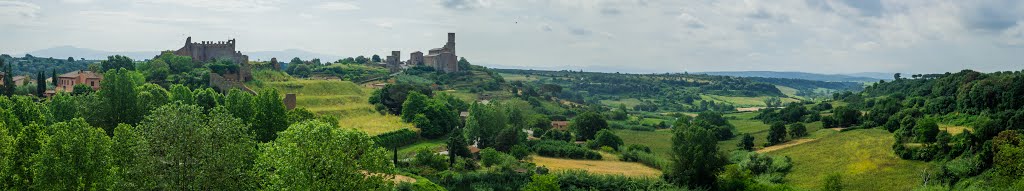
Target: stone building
{"points": [[394, 61], [207, 51], [415, 59], [443, 59], [67, 81]]}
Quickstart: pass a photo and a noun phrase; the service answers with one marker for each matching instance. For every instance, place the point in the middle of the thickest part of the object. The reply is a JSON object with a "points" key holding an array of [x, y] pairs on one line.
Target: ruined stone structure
{"points": [[394, 62], [207, 51], [275, 64], [289, 101], [443, 59], [415, 59]]}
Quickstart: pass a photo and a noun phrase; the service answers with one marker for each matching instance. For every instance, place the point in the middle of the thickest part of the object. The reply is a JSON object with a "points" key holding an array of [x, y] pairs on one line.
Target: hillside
{"points": [[343, 99], [799, 75]]}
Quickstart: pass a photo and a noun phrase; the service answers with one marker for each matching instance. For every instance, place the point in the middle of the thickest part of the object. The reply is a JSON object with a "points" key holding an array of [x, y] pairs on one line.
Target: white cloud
{"points": [[338, 6], [77, 1], [18, 13], [223, 5]]}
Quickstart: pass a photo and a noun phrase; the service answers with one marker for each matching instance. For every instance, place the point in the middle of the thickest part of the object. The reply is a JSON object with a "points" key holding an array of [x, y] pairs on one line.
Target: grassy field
{"points": [[629, 102], [610, 164], [744, 101], [660, 141], [863, 157], [518, 77], [954, 129], [344, 99], [788, 91], [409, 151]]}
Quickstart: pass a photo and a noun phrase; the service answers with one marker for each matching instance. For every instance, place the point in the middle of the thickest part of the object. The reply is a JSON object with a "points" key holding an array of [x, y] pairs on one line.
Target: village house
{"points": [[66, 82], [560, 125]]}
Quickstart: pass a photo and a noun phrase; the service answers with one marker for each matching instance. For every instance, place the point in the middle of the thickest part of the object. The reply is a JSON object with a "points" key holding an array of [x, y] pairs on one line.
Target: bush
{"points": [[426, 158], [561, 149], [797, 130], [490, 157], [642, 157], [519, 151], [395, 139], [582, 180], [833, 182], [607, 138], [557, 135]]}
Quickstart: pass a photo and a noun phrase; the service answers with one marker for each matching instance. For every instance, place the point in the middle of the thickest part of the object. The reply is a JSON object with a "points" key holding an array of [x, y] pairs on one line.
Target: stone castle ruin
{"points": [[393, 62], [208, 51]]}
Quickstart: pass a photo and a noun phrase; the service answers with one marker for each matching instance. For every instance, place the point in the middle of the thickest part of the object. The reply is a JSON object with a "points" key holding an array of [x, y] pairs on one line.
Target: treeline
{"points": [[31, 65], [989, 103]]}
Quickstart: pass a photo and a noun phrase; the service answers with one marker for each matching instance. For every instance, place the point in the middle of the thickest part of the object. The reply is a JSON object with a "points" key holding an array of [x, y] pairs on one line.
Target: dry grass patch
{"points": [[954, 129], [606, 166]]}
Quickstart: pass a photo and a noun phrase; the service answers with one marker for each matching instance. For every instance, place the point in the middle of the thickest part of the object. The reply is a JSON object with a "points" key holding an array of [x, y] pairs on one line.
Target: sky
{"points": [[637, 36]]}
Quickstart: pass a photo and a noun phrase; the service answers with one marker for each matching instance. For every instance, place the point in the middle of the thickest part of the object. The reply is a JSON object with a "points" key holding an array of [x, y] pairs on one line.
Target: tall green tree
{"points": [[117, 62], [442, 117], [212, 151], [313, 155], [695, 158], [587, 125], [152, 96], [747, 143], [926, 130], [483, 124], [9, 84], [75, 157], [776, 134], [28, 143], [239, 104], [415, 103], [119, 97], [7, 157], [797, 130], [53, 77], [132, 166], [40, 84], [181, 93], [457, 146], [208, 98], [269, 115]]}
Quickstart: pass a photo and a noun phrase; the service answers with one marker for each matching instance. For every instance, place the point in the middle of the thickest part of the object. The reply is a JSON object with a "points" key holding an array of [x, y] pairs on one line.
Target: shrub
{"points": [[833, 182], [396, 139], [557, 135], [642, 157], [519, 151], [490, 157], [607, 138], [581, 180], [797, 130], [426, 158], [561, 149]]}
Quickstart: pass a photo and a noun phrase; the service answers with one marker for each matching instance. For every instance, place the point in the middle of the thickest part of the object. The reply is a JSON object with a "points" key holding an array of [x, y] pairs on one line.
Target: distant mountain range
{"points": [[855, 77], [92, 54]]}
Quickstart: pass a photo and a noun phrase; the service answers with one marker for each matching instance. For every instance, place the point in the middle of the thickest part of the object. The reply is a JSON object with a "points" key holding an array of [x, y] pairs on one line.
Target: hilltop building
{"points": [[393, 62], [443, 59], [415, 59], [208, 51]]}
